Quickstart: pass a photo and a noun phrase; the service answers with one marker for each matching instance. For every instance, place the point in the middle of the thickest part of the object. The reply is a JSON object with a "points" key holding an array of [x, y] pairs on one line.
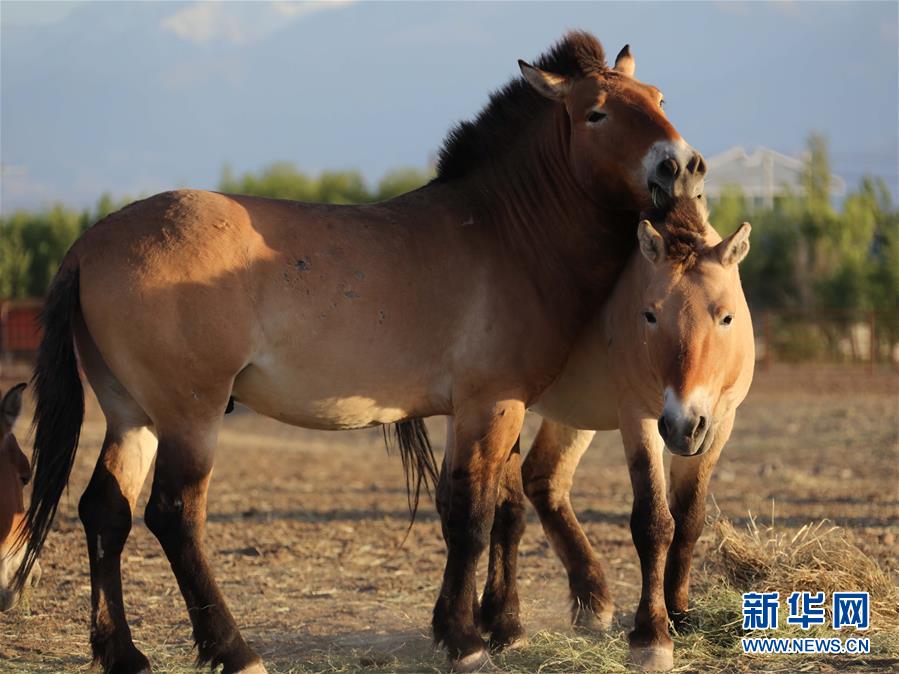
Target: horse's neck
{"points": [[565, 242]]}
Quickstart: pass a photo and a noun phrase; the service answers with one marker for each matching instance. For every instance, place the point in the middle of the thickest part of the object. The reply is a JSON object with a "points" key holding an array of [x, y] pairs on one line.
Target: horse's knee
{"points": [[652, 528]]}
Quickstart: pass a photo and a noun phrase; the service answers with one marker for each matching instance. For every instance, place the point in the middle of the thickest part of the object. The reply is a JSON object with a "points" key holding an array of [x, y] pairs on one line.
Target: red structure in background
{"points": [[20, 333]]}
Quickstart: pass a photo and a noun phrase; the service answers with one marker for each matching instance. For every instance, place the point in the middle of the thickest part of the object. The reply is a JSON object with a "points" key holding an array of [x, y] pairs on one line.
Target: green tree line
{"points": [[805, 253]]}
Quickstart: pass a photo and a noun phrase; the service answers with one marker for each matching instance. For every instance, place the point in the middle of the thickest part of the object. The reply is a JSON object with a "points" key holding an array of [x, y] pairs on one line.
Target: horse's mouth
{"points": [[659, 195]]}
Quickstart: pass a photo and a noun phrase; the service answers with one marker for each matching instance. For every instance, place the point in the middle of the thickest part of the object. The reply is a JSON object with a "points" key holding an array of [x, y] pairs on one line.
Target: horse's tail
{"points": [[419, 465], [58, 414]]}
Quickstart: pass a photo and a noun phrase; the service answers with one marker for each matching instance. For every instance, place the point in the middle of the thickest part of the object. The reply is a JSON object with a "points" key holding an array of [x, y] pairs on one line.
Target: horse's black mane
{"points": [[471, 144]]}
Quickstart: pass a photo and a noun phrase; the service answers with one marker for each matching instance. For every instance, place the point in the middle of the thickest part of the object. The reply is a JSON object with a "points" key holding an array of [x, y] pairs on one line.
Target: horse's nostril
{"points": [[668, 168], [696, 165], [663, 428], [700, 426]]}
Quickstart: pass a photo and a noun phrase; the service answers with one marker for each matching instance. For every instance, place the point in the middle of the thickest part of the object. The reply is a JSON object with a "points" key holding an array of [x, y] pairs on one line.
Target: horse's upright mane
{"points": [[472, 143], [682, 226]]}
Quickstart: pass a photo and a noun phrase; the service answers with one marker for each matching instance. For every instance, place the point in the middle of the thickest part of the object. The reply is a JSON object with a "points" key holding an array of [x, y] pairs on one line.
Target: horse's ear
{"points": [[652, 245], [12, 405], [555, 87], [734, 248], [624, 62]]}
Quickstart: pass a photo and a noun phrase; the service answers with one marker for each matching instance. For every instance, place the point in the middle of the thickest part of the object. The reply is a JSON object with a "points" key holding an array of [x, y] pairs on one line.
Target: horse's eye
{"points": [[727, 320], [595, 116], [662, 103], [650, 317]]}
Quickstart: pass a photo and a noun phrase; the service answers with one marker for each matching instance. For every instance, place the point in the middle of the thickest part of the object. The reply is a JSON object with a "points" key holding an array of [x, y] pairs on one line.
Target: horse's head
{"points": [[621, 146], [695, 324], [14, 475]]}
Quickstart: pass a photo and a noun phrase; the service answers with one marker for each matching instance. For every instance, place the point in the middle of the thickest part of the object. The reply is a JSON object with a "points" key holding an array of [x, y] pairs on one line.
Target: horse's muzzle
{"points": [[686, 435], [677, 175]]}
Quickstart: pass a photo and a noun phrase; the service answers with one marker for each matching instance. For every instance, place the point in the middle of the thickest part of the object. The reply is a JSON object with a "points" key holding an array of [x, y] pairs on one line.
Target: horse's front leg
{"points": [[686, 498], [499, 611], [652, 529], [484, 437]]}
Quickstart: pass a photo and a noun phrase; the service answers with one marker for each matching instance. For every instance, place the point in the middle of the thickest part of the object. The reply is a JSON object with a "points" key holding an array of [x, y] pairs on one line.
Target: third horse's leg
{"points": [[548, 475]]}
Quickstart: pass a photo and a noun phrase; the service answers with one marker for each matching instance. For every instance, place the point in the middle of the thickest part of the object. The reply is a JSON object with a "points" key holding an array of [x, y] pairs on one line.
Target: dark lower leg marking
{"points": [[652, 529], [466, 536], [176, 514], [105, 513], [548, 474], [499, 604]]}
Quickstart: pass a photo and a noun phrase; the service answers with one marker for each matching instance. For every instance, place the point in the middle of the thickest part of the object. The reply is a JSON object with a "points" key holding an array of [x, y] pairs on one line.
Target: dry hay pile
{"points": [[816, 558]]}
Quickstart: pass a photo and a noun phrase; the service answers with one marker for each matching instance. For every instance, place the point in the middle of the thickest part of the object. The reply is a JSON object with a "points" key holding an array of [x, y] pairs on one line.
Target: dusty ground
{"points": [[304, 532]]}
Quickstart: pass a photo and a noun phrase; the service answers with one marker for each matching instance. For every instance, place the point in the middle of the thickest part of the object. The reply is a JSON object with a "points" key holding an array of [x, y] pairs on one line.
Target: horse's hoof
{"points": [[515, 644], [479, 661], [655, 658], [507, 637], [588, 621], [511, 642]]}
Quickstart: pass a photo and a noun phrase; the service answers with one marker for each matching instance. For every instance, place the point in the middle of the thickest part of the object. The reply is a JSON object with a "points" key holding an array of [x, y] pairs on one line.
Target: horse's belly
{"points": [[301, 397]]}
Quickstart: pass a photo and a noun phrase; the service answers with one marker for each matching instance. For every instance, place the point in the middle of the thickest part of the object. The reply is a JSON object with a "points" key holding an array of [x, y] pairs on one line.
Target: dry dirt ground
{"points": [[305, 530]]}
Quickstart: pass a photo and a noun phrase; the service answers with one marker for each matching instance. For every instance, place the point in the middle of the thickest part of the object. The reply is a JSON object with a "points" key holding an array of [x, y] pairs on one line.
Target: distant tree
{"points": [[282, 180], [730, 211], [401, 181], [15, 262]]}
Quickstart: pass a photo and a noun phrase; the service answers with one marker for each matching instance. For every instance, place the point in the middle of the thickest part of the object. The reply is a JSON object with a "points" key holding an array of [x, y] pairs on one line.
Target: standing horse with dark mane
{"points": [[462, 298]]}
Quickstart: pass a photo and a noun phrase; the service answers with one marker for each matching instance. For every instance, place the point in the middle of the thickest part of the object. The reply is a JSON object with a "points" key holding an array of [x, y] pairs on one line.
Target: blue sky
{"points": [[134, 98]]}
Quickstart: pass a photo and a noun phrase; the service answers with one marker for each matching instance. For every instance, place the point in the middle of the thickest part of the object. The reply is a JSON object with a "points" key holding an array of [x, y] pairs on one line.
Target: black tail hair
{"points": [[58, 414], [419, 465]]}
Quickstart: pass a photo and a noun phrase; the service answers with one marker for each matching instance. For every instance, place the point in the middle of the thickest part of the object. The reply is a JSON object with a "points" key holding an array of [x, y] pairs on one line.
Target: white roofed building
{"points": [[760, 176]]}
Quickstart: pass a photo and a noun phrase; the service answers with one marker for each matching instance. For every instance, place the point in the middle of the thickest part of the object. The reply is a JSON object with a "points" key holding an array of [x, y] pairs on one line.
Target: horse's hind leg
{"points": [[107, 506], [106, 509], [686, 498], [548, 474], [499, 613], [176, 514]]}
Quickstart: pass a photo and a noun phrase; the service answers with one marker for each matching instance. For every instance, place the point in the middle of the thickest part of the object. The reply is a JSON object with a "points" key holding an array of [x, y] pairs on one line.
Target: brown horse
{"points": [[667, 361], [14, 475], [462, 298]]}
